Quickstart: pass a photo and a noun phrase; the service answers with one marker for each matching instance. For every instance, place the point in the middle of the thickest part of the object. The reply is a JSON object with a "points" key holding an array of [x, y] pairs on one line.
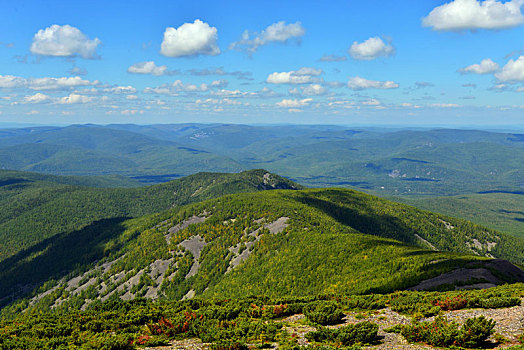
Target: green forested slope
{"points": [[276, 243], [36, 207], [500, 211]]}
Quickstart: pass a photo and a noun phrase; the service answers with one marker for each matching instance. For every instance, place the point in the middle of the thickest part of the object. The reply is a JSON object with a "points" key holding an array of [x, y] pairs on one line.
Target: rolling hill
{"points": [[276, 243], [36, 207]]}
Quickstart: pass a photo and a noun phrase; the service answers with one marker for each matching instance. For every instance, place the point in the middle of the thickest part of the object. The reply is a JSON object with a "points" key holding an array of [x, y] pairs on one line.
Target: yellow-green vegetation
{"points": [[36, 207], [275, 243], [499, 211], [231, 323]]}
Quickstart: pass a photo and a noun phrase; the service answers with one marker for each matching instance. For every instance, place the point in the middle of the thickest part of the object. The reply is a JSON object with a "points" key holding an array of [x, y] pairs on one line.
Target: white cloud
{"points": [[371, 102], [309, 90], [64, 41], [37, 98], [513, 71], [121, 90], [148, 67], [131, 112], [370, 49], [288, 103], [444, 105], [59, 83], [33, 112], [486, 66], [229, 93], [178, 85], [10, 82], [75, 99], [305, 75], [473, 14], [222, 83], [308, 71], [276, 32], [358, 83], [131, 97], [190, 39]]}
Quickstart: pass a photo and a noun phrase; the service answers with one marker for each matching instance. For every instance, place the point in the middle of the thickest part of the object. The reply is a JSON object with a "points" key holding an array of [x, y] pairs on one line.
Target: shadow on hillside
{"points": [[383, 225], [55, 257]]}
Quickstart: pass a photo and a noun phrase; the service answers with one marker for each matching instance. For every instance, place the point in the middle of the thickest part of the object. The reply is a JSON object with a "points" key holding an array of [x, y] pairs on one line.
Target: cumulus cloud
{"points": [[332, 58], [190, 39], [370, 49], [309, 90], [444, 105], [486, 66], [279, 32], [178, 85], [473, 14], [121, 90], [75, 99], [288, 103], [10, 82], [148, 67], [305, 75], [64, 41], [64, 83], [513, 71], [358, 83], [222, 83], [59, 83], [37, 98]]}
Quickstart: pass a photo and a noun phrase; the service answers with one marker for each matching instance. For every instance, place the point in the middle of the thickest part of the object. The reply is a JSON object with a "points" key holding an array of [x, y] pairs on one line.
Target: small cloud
{"points": [[371, 102], [332, 58], [219, 84], [278, 32], [37, 98], [77, 71], [309, 90], [469, 85], [486, 66], [444, 105], [370, 49], [305, 75], [121, 90], [131, 97], [358, 83], [288, 103], [75, 99], [64, 41], [472, 14], [148, 67], [190, 39], [469, 97]]}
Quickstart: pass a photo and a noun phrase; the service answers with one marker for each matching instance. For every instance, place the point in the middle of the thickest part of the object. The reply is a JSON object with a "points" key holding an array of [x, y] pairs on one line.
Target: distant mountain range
{"points": [[390, 162]]}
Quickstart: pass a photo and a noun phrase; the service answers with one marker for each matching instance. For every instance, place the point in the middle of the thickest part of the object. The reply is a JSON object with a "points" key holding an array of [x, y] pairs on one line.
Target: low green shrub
{"points": [[323, 312], [442, 333], [358, 333]]}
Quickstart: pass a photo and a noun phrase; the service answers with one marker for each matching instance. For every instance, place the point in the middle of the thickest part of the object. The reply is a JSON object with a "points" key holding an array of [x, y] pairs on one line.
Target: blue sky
{"points": [[425, 62]]}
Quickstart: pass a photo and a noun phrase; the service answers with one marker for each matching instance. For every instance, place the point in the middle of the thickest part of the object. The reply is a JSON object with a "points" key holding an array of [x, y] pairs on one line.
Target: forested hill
{"points": [[36, 207], [276, 243]]}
